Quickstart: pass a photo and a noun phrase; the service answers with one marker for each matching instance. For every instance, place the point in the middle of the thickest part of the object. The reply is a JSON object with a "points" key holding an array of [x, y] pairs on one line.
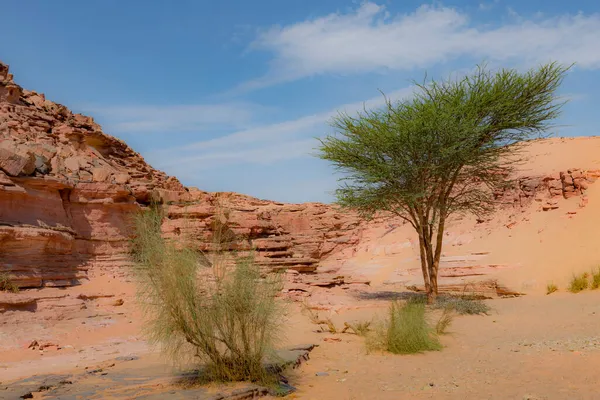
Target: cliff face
{"points": [[67, 191]]}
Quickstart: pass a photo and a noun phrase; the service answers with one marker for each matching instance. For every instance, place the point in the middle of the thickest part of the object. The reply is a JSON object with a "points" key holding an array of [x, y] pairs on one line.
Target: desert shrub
{"points": [[6, 284], [226, 316], [596, 279], [441, 326], [579, 283], [406, 330], [360, 328], [551, 288], [462, 304], [325, 324]]}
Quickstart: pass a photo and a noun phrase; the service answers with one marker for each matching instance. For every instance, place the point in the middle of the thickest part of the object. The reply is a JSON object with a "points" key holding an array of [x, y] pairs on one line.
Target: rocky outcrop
{"points": [[283, 236], [548, 188], [67, 191]]}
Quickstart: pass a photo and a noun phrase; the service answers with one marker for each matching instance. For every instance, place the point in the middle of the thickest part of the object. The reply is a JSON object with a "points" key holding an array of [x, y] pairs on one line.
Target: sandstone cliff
{"points": [[67, 190]]}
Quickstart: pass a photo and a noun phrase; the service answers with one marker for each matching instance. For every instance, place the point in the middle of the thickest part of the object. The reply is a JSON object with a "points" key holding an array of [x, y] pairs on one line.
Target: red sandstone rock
{"points": [[67, 191]]}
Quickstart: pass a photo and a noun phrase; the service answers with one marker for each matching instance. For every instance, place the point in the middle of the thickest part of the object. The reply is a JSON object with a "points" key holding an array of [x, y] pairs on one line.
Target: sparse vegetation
{"points": [[462, 304], [361, 328], [6, 284], [444, 151], [579, 283], [596, 279], [441, 327], [551, 288], [406, 330], [224, 316], [325, 324]]}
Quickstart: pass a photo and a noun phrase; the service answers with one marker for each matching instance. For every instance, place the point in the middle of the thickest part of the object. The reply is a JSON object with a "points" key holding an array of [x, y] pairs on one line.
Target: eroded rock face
{"points": [[283, 236], [67, 191]]}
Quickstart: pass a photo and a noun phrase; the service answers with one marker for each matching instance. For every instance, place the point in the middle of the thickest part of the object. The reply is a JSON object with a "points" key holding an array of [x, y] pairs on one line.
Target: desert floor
{"points": [[534, 346]]}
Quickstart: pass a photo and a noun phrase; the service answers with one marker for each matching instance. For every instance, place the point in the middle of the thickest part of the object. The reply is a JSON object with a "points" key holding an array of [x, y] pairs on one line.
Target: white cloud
{"points": [[175, 118], [369, 39], [261, 145]]}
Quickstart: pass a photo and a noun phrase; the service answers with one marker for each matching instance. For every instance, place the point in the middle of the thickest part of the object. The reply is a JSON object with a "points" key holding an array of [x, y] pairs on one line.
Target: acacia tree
{"points": [[446, 150]]}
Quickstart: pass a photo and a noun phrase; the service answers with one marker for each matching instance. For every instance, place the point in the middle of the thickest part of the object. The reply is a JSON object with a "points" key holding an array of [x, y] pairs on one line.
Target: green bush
{"points": [[551, 288], [405, 332], [579, 283], [596, 278], [224, 315], [462, 304], [6, 284]]}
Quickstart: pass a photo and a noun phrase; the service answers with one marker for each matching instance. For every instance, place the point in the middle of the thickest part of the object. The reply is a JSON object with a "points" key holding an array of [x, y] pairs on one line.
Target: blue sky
{"points": [[229, 95]]}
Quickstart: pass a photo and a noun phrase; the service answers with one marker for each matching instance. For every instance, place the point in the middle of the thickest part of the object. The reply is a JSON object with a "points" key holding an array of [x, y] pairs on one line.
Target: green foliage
{"points": [[225, 316], [443, 151], [462, 304], [7, 285], [579, 283], [405, 332], [551, 288], [596, 279]]}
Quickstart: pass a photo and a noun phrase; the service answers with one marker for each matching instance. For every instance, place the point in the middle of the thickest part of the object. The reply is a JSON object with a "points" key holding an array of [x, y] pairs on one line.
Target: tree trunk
{"points": [[435, 265], [431, 288], [424, 268]]}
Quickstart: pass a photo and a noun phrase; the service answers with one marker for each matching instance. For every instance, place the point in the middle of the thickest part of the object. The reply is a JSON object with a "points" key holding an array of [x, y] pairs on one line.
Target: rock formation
{"points": [[67, 191]]}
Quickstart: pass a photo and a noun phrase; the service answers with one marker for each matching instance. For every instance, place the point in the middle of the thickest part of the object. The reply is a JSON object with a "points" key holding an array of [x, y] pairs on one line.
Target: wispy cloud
{"points": [[370, 39], [176, 118], [264, 144]]}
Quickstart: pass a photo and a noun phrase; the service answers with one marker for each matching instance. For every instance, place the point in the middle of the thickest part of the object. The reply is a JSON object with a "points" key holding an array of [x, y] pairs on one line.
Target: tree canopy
{"points": [[443, 151]]}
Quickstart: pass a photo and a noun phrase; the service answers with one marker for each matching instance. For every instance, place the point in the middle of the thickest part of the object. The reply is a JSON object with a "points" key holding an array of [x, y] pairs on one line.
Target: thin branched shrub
{"points": [[406, 331], [445, 320], [225, 315]]}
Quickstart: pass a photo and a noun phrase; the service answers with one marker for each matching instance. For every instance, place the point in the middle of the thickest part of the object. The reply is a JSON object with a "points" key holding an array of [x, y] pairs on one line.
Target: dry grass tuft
{"points": [[405, 332], [551, 288], [596, 279], [442, 325], [361, 328], [579, 283]]}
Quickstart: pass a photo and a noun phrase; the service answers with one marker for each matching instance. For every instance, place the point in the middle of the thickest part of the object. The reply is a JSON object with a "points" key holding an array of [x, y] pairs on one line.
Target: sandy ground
{"points": [[533, 347]]}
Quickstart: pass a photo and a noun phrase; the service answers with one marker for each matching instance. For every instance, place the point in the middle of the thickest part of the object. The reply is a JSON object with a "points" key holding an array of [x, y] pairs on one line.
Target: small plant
{"points": [[596, 279], [6, 284], [361, 328], [405, 332], [315, 319], [441, 327], [579, 283], [462, 304], [551, 288]]}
